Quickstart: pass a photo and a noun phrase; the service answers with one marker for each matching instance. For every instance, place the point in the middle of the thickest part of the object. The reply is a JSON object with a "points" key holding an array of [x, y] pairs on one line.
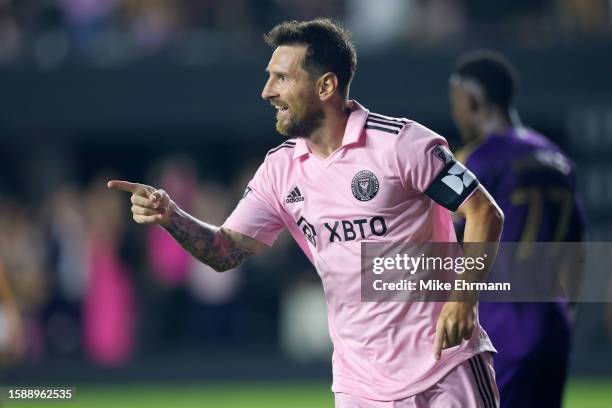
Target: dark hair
{"points": [[493, 72], [329, 48]]}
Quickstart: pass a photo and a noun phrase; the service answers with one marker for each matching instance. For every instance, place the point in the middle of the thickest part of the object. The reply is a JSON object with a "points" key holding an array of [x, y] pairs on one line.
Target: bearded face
{"points": [[297, 120], [292, 91]]}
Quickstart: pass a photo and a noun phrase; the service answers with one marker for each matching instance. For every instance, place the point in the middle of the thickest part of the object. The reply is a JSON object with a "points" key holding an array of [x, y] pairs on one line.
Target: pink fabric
{"points": [[108, 308], [469, 385], [382, 351]]}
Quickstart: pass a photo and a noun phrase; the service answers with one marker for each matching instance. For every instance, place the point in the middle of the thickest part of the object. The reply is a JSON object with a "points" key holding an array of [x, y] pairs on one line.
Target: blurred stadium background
{"points": [[167, 92]]}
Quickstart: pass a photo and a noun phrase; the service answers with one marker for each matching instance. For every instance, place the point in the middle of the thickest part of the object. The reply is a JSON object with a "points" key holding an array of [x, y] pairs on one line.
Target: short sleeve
{"points": [[427, 166], [257, 215]]}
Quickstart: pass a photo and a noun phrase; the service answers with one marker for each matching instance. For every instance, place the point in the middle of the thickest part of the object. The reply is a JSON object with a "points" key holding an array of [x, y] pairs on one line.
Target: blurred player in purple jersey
{"points": [[534, 184]]}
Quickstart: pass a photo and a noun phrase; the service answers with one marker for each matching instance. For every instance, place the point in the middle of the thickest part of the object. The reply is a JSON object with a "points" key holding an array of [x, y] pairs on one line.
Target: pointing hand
{"points": [[149, 205]]}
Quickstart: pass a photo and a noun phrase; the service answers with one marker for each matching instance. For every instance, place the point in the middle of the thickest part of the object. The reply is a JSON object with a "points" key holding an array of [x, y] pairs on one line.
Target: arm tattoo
{"points": [[210, 245]]}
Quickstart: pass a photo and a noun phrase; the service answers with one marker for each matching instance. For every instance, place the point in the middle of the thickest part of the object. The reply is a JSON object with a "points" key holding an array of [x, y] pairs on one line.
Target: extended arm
{"points": [[220, 248]]}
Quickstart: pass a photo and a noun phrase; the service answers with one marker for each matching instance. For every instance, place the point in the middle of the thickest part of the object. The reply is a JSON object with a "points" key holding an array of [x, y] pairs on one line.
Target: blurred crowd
{"points": [[79, 279], [51, 33]]}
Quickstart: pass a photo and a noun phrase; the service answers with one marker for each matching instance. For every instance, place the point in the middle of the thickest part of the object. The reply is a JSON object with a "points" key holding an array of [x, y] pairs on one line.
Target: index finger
{"points": [[134, 188], [439, 340]]}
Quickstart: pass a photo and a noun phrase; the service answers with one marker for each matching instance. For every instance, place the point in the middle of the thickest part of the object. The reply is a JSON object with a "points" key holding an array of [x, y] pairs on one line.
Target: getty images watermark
{"points": [[510, 272], [422, 263]]}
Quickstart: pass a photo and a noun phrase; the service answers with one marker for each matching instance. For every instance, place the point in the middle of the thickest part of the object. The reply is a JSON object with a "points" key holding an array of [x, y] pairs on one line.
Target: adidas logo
{"points": [[294, 196]]}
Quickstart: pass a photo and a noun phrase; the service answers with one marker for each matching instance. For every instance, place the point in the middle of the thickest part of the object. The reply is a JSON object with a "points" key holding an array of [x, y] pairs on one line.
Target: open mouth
{"points": [[281, 110]]}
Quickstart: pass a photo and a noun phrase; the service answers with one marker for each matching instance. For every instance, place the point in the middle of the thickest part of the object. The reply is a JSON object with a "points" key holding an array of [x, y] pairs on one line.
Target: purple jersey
{"points": [[534, 184], [522, 170]]}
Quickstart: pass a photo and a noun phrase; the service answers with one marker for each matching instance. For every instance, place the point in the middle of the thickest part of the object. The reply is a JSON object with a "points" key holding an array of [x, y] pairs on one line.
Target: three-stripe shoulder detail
{"points": [[383, 123], [288, 144]]}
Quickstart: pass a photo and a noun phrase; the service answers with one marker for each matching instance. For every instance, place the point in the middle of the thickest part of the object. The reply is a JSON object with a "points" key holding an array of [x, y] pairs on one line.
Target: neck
{"points": [[494, 124], [328, 138]]}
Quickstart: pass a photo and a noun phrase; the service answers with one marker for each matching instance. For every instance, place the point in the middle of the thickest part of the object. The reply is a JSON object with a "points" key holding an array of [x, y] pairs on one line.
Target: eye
{"points": [[282, 78]]}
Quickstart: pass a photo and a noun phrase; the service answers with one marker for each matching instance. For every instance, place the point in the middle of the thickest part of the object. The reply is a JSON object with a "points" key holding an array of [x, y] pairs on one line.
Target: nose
{"points": [[268, 91]]}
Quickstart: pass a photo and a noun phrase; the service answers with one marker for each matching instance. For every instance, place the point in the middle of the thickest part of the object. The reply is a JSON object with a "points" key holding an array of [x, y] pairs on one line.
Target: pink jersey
{"points": [[371, 189]]}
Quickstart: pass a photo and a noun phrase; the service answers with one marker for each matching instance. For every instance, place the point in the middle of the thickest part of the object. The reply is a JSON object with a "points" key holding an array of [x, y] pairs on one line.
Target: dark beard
{"points": [[306, 125]]}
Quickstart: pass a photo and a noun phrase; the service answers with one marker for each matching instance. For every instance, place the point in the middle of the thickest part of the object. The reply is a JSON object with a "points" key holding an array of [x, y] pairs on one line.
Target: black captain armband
{"points": [[453, 184]]}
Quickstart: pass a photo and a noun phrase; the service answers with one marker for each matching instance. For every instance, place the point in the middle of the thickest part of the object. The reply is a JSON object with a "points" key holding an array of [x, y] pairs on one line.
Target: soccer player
{"points": [[534, 184], [345, 176]]}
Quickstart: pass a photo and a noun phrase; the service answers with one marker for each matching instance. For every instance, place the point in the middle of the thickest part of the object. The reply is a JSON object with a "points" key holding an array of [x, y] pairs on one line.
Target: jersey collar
{"points": [[352, 132]]}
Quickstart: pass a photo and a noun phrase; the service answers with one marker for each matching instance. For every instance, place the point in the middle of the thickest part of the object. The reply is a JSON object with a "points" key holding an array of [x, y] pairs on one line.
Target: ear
{"points": [[327, 84]]}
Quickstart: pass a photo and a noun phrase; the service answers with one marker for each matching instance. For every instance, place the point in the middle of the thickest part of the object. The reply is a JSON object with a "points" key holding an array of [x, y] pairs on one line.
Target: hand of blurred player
{"points": [[455, 324], [149, 205]]}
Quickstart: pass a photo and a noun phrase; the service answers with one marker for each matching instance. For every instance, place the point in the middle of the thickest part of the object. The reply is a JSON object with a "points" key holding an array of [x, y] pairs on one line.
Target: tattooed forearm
{"points": [[209, 244]]}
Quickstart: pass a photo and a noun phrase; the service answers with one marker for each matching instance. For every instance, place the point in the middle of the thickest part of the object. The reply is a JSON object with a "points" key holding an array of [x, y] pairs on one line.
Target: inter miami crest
{"points": [[364, 185]]}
